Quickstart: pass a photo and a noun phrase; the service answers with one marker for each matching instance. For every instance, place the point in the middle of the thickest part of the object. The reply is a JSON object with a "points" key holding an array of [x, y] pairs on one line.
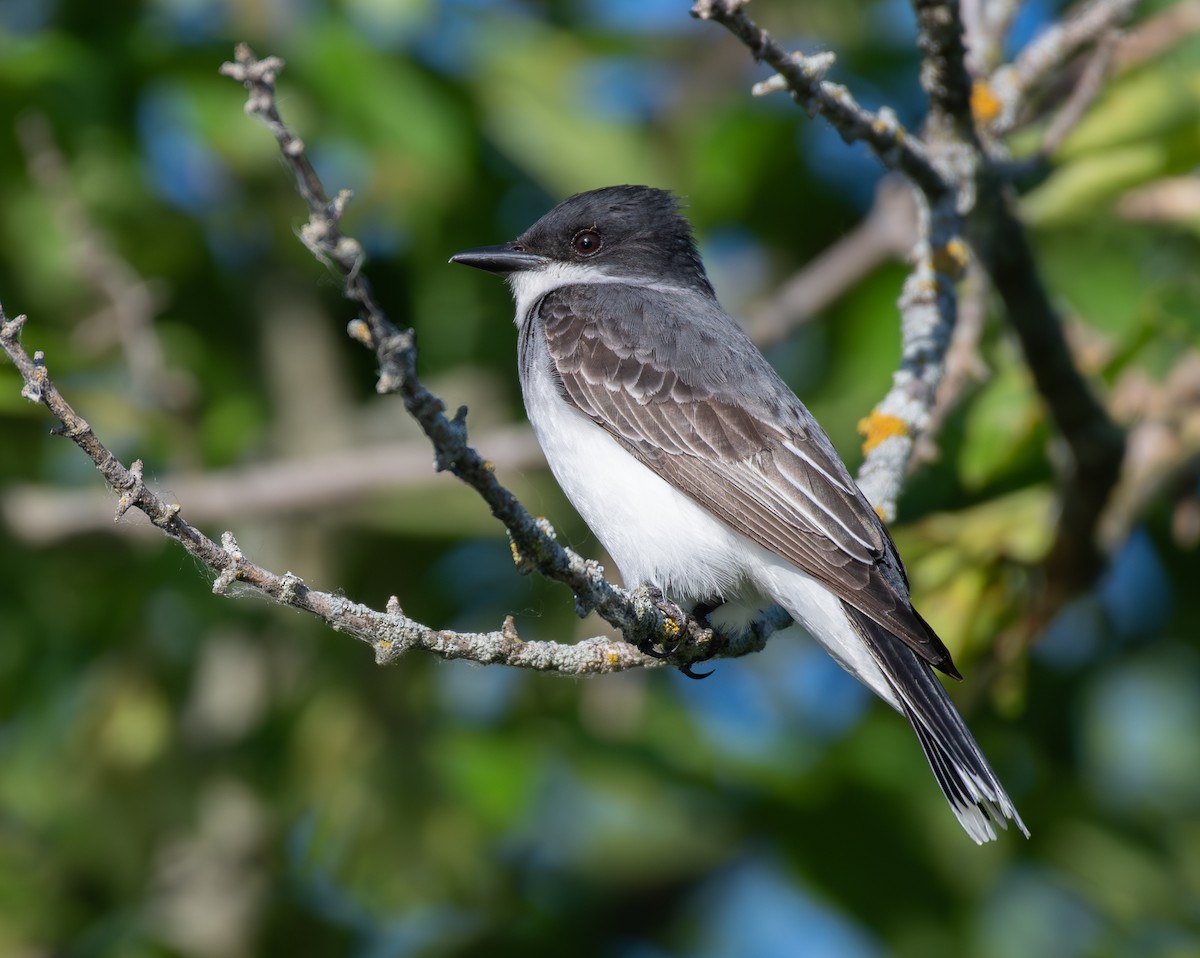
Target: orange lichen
{"points": [[952, 259], [985, 105], [880, 426]]}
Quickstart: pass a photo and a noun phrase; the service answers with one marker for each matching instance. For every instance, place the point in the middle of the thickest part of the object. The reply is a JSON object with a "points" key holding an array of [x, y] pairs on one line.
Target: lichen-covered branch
{"points": [[985, 28], [389, 633], [927, 302], [1009, 88], [928, 306], [944, 75]]}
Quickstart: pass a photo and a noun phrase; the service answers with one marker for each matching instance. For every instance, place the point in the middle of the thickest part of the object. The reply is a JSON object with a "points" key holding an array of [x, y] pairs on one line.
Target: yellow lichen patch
{"points": [[952, 259], [928, 286], [985, 105], [880, 426], [612, 659], [385, 644]]}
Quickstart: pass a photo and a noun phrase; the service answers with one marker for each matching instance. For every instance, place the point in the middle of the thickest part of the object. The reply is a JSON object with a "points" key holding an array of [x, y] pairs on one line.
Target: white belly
{"points": [[655, 534]]}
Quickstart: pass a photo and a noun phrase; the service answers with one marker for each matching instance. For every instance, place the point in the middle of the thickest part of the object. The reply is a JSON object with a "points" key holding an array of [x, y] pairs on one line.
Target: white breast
{"points": [[654, 533]]}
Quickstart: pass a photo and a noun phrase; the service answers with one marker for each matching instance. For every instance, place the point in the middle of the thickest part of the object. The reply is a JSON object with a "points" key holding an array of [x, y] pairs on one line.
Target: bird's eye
{"points": [[586, 242]]}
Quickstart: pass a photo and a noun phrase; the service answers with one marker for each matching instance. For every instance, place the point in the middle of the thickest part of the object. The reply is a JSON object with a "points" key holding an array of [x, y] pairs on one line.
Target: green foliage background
{"points": [[187, 775]]}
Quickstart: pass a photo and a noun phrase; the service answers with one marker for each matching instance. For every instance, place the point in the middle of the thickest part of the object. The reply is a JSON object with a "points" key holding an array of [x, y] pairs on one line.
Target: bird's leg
{"points": [[673, 612], [677, 616]]}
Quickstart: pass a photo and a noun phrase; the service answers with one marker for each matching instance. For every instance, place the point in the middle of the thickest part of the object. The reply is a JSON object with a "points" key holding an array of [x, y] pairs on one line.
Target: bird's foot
{"points": [[675, 616], [678, 617]]}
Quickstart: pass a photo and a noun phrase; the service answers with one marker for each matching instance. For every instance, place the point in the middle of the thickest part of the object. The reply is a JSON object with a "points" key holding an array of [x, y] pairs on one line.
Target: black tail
{"points": [[967, 780]]}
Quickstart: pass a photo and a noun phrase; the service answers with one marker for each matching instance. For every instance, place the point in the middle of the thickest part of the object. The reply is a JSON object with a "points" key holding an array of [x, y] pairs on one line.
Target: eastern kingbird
{"points": [[701, 472]]}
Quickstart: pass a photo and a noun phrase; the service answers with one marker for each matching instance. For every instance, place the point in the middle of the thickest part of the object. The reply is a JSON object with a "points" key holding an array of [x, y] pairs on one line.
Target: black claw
{"points": [[674, 612], [647, 648]]}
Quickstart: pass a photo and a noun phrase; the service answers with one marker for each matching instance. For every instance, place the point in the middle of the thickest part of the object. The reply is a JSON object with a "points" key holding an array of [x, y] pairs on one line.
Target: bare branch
{"points": [[896, 148], [943, 71], [928, 304], [389, 633], [1010, 86], [929, 300], [968, 184], [964, 365], [986, 24], [1095, 443], [1175, 199], [44, 514], [1158, 34], [1082, 96], [889, 232]]}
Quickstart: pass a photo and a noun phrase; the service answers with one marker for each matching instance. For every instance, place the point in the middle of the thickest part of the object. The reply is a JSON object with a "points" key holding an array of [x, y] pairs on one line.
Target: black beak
{"points": [[505, 258]]}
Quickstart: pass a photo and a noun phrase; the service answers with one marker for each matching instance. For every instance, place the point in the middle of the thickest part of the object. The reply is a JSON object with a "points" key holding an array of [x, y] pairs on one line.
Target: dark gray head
{"points": [[626, 231]]}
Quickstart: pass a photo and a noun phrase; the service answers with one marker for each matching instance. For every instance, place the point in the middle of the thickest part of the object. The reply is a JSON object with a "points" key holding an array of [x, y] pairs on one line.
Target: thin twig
{"points": [[896, 148], [944, 76], [964, 365], [1009, 88], [1091, 81], [928, 307], [986, 24]]}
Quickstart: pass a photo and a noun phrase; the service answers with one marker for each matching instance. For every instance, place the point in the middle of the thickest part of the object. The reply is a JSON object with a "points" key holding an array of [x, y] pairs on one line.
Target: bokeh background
{"points": [[182, 774]]}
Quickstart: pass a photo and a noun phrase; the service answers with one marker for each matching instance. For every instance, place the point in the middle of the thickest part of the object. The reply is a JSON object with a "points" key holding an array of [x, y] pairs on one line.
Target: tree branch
{"points": [[944, 72], [927, 301], [985, 28], [389, 633], [1008, 89], [44, 513], [896, 148], [1095, 442], [964, 365]]}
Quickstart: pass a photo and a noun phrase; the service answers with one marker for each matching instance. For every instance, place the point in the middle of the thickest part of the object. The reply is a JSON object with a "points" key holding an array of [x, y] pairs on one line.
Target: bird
{"points": [[705, 478]]}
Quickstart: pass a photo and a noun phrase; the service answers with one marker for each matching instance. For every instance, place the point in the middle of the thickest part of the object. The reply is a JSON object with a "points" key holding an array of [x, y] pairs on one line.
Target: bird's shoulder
{"points": [[665, 346]]}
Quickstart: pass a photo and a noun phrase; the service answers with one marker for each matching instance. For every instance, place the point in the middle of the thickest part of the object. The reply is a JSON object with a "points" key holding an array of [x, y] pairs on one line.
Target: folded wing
{"points": [[732, 436]]}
